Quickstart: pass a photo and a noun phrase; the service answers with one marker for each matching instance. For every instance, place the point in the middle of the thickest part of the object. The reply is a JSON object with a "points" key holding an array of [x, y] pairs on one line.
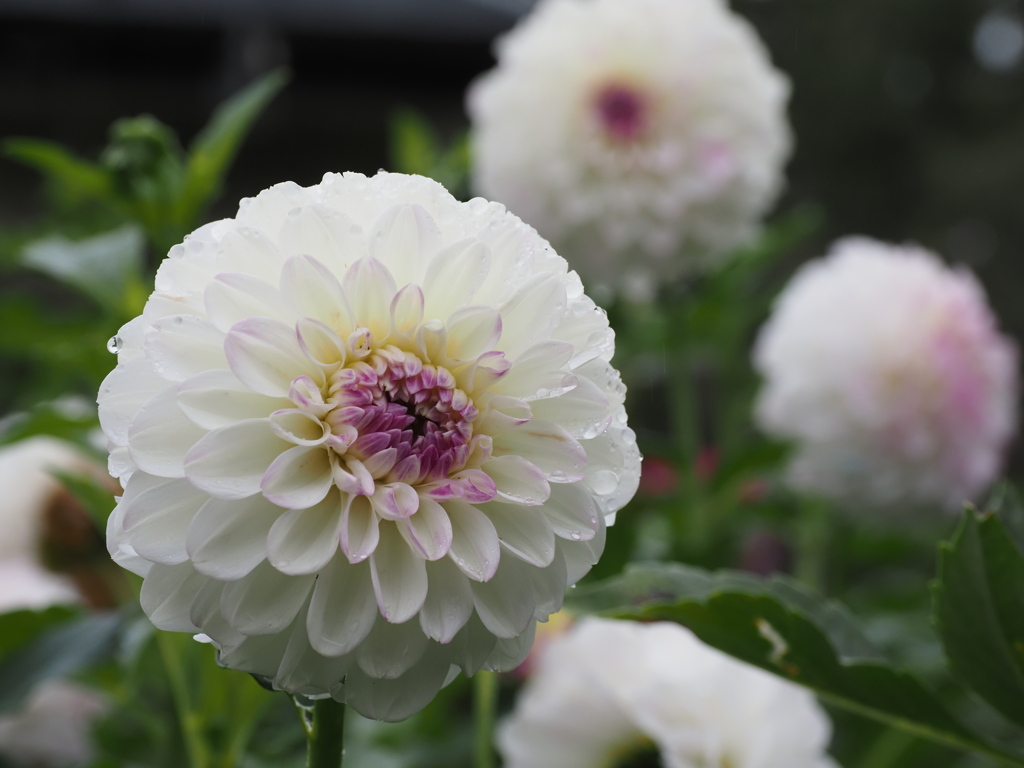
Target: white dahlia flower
{"points": [[368, 435], [644, 138], [617, 693], [887, 371]]}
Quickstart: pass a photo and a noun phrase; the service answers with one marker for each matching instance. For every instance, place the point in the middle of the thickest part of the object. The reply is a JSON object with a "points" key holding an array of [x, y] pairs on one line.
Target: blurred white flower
{"points": [[52, 729], [887, 371], [644, 138], [368, 435], [30, 493], [610, 693]]}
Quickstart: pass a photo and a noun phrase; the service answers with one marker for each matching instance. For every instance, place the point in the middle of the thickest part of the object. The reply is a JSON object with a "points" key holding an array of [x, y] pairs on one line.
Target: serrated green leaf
{"points": [[781, 627], [102, 267], [59, 651], [979, 611], [213, 150], [75, 175]]}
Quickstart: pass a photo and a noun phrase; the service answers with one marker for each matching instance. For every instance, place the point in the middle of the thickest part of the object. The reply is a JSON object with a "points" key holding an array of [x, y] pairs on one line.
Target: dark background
{"points": [[908, 114]]}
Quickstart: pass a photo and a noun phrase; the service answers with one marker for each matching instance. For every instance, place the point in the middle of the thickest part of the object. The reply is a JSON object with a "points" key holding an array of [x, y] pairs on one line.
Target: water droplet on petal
{"points": [[604, 482], [576, 535], [114, 345]]}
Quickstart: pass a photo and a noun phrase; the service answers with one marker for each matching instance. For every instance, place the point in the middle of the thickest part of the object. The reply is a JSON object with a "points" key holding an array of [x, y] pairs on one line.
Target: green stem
{"points": [[485, 705], [325, 733], [813, 536], [188, 718]]}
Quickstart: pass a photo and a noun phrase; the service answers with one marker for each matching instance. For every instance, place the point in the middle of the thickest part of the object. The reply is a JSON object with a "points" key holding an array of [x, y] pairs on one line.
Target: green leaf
{"points": [[779, 626], [213, 150], [58, 652], [979, 611], [102, 267], [414, 148], [19, 627], [75, 175]]}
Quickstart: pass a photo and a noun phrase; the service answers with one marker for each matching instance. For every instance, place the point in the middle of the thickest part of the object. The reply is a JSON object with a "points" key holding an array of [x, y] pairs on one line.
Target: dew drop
{"points": [[114, 345], [604, 482], [576, 535]]}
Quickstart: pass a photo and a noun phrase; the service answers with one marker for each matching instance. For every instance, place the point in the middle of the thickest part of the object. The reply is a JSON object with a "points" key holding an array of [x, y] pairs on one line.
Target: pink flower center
{"points": [[406, 420], [621, 111]]}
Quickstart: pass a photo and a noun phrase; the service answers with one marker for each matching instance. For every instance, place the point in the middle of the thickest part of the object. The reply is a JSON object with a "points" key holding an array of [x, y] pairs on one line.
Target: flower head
{"points": [[887, 371], [644, 137], [368, 435], [608, 693]]}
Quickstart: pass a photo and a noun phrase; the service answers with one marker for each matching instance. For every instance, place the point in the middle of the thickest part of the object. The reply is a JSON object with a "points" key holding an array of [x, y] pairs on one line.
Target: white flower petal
{"points": [[584, 412], [370, 287], [230, 462], [264, 602], [123, 392], [399, 577], [298, 478], [265, 355], [321, 344], [167, 595], [572, 513], [407, 309], [531, 315], [453, 277], [550, 448], [391, 650], [472, 331], [394, 700], [475, 548], [160, 436], [360, 529], [303, 541], [217, 398], [325, 234], [227, 539], [518, 480], [428, 531], [156, 520], [540, 371], [449, 602], [314, 292], [343, 609], [182, 346], [505, 604], [523, 531], [235, 296], [404, 238]]}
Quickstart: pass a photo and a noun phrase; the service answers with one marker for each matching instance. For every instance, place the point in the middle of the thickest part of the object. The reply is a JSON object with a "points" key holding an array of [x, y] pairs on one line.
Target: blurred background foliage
{"points": [[908, 118]]}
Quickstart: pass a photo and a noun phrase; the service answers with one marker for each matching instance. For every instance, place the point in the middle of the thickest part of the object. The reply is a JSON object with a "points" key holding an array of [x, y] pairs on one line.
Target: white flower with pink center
{"points": [[368, 435], [888, 372], [644, 137]]}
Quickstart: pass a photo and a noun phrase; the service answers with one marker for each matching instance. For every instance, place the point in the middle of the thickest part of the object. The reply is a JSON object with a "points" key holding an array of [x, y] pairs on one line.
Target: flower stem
{"points": [[188, 718], [813, 535], [485, 704], [325, 734]]}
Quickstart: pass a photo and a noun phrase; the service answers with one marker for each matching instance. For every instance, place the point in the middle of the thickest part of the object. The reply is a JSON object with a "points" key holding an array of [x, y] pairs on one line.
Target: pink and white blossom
{"points": [[644, 138], [887, 371], [368, 435]]}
